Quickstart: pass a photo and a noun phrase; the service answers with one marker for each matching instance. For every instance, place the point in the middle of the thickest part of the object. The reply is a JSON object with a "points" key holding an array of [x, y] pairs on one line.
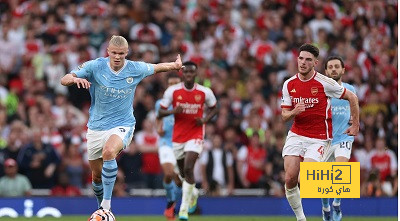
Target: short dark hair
{"points": [[173, 75], [189, 63], [309, 48], [334, 58]]}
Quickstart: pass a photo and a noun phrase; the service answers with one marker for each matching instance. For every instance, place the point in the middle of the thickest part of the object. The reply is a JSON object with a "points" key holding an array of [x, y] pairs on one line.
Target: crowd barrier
{"points": [[260, 206]]}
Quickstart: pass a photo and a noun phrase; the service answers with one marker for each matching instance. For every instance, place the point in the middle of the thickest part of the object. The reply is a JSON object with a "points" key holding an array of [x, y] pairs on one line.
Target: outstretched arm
{"points": [[354, 111], [161, 67], [71, 79]]}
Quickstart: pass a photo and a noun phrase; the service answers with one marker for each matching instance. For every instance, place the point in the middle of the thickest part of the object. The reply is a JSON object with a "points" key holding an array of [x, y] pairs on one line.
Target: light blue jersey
{"points": [[112, 92], [168, 126], [341, 117]]}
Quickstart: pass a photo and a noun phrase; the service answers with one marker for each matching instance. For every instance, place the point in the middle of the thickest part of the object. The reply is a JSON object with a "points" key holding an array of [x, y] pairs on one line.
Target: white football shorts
{"points": [[306, 147], [195, 145], [97, 139], [342, 149], [166, 155]]}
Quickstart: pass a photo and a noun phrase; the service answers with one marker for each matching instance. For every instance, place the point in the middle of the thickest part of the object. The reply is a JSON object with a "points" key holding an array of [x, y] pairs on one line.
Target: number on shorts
{"points": [[198, 142], [346, 145]]}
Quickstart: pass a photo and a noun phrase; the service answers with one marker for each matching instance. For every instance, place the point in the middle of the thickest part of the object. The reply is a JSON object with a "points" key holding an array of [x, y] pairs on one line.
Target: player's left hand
{"points": [[178, 62], [351, 121], [352, 130], [200, 121]]}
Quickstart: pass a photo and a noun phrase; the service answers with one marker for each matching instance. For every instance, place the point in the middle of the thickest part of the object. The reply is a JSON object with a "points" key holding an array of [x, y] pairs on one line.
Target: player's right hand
{"points": [[352, 130], [81, 82], [178, 62], [178, 109], [299, 108]]}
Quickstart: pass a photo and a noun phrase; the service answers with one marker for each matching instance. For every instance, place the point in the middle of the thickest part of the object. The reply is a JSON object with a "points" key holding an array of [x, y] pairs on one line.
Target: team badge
{"points": [[314, 91], [129, 80], [81, 66], [197, 98]]}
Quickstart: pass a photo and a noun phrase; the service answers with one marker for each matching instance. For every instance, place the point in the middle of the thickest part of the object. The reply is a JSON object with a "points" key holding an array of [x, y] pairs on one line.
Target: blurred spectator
{"points": [[73, 164], [274, 169], [372, 188], [64, 188], [120, 185], [10, 51], [130, 162], [251, 162], [146, 141], [217, 168], [55, 71], [14, 184], [392, 135], [16, 139], [320, 23], [39, 161], [383, 160]]}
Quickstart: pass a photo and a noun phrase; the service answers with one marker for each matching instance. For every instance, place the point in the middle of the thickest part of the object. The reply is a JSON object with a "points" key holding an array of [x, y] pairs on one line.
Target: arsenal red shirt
{"points": [[316, 120], [192, 101]]}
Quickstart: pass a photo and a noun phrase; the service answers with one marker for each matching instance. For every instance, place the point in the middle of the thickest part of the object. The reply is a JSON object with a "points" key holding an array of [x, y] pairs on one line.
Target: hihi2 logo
{"points": [[329, 180]]}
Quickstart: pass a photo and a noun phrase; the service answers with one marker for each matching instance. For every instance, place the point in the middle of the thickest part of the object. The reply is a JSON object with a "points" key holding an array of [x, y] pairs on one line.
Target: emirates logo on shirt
{"points": [[189, 108], [314, 91], [309, 102]]}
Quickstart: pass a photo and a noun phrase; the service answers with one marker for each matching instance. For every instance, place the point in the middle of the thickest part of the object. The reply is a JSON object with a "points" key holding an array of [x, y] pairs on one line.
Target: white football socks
{"points": [[187, 190], [293, 197]]}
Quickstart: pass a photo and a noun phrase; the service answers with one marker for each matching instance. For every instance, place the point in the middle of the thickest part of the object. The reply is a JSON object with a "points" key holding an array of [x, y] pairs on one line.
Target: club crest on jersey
{"points": [[129, 80], [82, 65], [314, 91], [197, 98]]}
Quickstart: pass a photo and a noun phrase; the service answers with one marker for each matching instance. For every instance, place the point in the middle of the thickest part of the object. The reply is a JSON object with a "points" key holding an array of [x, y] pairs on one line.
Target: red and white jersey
{"points": [[192, 101], [384, 161], [316, 120]]}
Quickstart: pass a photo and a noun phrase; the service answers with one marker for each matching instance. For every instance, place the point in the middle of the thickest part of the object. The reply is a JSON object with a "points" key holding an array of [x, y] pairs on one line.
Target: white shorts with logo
{"points": [[166, 155], [97, 139], [342, 149], [195, 145], [306, 147]]}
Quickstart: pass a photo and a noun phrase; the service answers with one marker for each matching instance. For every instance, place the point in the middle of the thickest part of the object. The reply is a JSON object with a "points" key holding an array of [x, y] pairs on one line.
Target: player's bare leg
{"points": [[97, 185], [188, 183], [110, 168], [292, 169]]}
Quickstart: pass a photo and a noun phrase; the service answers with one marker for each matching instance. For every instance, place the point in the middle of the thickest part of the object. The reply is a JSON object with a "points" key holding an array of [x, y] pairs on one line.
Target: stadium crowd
{"points": [[245, 49]]}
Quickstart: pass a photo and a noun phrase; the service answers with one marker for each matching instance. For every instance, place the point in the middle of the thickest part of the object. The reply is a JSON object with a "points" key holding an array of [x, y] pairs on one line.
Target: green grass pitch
{"points": [[200, 218]]}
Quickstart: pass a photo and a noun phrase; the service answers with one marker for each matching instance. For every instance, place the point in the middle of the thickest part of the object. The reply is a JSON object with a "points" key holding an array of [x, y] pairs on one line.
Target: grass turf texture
{"points": [[200, 218]]}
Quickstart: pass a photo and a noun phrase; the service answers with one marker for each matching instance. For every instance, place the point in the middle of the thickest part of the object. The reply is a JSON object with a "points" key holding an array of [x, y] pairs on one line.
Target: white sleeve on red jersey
{"points": [[286, 101], [167, 97], [139, 138], [393, 160], [331, 87], [211, 101], [242, 153]]}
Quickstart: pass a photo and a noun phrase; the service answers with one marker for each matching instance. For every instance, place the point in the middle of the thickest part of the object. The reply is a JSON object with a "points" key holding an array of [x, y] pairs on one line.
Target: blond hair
{"points": [[118, 41]]}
